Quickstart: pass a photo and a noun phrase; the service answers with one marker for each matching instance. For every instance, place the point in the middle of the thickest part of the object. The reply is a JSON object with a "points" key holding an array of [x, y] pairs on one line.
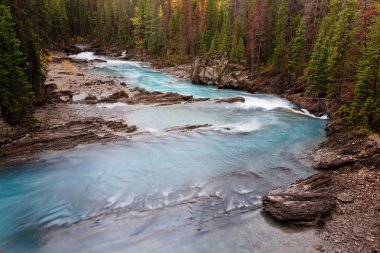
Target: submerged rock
{"points": [[230, 100], [305, 202], [115, 97], [91, 100]]}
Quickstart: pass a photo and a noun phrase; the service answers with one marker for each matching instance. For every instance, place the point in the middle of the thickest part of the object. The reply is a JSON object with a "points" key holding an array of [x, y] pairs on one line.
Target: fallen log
{"points": [[305, 202]]}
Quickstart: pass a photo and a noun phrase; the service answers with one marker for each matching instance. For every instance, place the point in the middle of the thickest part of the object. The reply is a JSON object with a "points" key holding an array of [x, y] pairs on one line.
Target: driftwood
{"points": [[305, 202]]}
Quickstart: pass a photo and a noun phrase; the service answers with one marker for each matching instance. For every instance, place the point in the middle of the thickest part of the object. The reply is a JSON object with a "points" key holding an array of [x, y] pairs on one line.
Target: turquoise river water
{"points": [[174, 191]]}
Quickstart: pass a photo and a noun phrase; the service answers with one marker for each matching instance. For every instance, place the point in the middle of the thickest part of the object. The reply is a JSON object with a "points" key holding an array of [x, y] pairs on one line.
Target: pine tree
{"points": [[240, 51], [155, 26], [59, 22], [366, 90], [15, 95], [297, 51], [341, 38], [211, 20], [214, 45], [279, 54], [224, 36], [139, 22], [317, 70]]}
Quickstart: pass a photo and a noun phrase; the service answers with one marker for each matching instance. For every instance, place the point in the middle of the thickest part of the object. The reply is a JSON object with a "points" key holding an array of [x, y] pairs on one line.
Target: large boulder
{"points": [[217, 70], [209, 70], [305, 202]]}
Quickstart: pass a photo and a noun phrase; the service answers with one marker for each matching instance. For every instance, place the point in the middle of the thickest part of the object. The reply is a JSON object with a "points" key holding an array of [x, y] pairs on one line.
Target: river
{"points": [[197, 191]]}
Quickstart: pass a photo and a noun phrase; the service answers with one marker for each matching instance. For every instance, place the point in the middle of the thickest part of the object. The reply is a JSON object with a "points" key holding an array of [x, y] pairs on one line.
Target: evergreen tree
{"points": [[240, 58], [155, 25], [236, 54], [140, 23], [224, 36], [341, 38], [366, 100], [15, 95], [214, 45], [297, 51], [317, 69], [211, 20], [279, 54], [59, 31]]}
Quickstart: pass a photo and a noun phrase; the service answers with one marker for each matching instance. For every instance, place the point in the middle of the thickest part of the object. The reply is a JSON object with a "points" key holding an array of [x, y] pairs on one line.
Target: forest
{"points": [[329, 47]]}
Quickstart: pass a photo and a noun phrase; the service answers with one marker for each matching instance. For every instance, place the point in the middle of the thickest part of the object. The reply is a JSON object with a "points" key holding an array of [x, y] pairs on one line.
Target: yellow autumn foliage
{"points": [[68, 67]]}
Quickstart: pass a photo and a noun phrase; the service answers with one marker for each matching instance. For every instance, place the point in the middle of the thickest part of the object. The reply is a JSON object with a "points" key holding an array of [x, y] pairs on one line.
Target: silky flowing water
{"points": [[172, 191]]}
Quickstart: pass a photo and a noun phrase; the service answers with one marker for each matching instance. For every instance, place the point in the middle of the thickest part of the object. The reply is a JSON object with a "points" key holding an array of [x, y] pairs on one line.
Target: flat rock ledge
{"points": [[306, 202]]}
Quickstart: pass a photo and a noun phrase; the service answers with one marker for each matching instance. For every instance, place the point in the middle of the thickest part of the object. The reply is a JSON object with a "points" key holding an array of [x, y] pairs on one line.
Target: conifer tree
{"points": [[214, 45], [224, 36], [140, 24], [240, 51], [155, 26], [15, 95], [366, 100], [317, 70], [341, 38], [279, 54], [211, 19], [297, 50]]}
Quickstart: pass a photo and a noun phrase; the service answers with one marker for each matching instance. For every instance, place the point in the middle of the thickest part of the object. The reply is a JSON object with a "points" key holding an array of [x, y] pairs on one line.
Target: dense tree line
{"points": [[332, 47]]}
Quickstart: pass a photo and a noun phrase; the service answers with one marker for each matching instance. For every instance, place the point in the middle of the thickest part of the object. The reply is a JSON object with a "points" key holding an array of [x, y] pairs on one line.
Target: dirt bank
{"points": [[354, 159]]}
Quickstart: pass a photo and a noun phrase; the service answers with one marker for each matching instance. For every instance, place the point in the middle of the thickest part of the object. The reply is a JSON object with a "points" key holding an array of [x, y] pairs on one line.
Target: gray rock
{"points": [[344, 198], [217, 70], [304, 202]]}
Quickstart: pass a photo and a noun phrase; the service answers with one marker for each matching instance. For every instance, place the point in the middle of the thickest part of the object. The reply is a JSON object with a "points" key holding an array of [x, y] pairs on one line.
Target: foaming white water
{"points": [[272, 103], [152, 130], [85, 56], [266, 103], [307, 113], [239, 128], [111, 106], [115, 63]]}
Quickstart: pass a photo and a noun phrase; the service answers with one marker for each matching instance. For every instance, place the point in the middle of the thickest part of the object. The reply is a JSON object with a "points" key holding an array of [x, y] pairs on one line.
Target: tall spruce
{"points": [[279, 54], [366, 102], [297, 51], [340, 41], [316, 74], [15, 91]]}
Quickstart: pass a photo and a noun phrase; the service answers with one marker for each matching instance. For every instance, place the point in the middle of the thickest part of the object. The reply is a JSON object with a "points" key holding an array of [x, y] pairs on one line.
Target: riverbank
{"points": [[58, 125], [354, 163]]}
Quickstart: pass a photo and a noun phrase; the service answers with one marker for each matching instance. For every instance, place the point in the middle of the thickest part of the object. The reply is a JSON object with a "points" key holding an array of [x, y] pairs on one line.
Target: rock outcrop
{"points": [[316, 106], [305, 202], [217, 70], [230, 100], [141, 96]]}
